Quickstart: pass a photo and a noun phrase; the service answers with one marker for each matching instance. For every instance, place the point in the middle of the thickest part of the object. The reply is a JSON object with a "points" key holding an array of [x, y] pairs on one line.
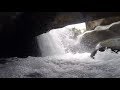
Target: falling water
{"points": [[56, 42], [50, 44]]}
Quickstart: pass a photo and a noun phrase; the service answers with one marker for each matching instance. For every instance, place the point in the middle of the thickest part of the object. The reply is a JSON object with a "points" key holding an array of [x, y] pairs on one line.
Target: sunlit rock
{"points": [[113, 44], [91, 25], [89, 40]]}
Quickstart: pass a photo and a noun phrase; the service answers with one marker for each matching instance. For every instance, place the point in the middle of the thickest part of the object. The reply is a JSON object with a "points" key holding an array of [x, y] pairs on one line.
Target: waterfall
{"points": [[57, 41], [50, 44]]}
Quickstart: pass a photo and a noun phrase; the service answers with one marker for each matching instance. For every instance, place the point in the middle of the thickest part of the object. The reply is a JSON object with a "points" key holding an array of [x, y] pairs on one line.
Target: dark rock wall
{"points": [[41, 22]]}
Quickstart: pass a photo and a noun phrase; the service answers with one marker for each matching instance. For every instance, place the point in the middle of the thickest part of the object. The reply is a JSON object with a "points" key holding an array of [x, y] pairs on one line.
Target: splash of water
{"points": [[59, 41], [50, 45]]}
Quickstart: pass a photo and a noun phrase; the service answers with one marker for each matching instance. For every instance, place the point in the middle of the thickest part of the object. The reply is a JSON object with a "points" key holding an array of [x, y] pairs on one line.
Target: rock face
{"points": [[113, 44], [91, 25], [89, 40], [41, 22]]}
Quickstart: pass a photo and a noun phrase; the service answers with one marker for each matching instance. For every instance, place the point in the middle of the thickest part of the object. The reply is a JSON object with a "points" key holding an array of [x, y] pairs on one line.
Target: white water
{"points": [[50, 45], [61, 41], [105, 65], [57, 41]]}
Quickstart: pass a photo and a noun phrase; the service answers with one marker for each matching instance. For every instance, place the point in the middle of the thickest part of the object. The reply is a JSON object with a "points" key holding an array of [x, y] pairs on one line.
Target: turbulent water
{"points": [[105, 65], [56, 42], [50, 45]]}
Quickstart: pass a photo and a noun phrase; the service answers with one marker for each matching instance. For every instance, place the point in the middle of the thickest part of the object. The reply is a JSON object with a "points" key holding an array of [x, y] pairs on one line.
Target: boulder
{"points": [[113, 44], [91, 25], [88, 40]]}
